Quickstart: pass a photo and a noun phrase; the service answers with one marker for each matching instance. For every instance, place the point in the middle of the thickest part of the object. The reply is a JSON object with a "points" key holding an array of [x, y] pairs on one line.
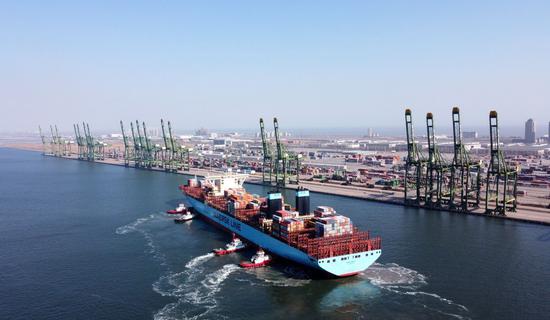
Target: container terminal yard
{"points": [[487, 175]]}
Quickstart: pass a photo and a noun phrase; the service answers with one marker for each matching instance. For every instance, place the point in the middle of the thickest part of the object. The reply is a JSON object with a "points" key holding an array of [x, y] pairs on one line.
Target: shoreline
{"points": [[524, 214]]}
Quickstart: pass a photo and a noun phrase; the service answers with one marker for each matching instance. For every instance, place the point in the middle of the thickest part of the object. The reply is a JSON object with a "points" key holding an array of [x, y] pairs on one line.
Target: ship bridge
{"points": [[221, 183]]}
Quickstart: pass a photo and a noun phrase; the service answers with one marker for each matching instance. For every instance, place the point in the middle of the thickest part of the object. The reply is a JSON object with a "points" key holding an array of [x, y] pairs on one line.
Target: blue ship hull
{"points": [[340, 266]]}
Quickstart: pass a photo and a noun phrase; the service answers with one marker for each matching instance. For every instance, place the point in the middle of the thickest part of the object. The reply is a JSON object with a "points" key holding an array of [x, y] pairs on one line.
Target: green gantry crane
{"points": [[501, 185], [267, 164], [80, 142], [43, 139], [137, 147], [149, 159], [415, 166], [465, 183], [286, 165], [181, 155], [127, 154], [142, 156], [167, 150], [54, 144], [437, 191]]}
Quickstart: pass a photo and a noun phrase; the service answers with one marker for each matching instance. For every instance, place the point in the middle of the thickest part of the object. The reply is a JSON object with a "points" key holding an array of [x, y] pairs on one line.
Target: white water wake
{"points": [[139, 226], [393, 275], [406, 282], [271, 277], [131, 227], [197, 261], [195, 295], [194, 290]]}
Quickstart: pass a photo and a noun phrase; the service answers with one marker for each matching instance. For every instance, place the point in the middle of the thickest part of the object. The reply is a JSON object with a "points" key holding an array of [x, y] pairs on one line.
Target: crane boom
{"points": [[171, 138], [164, 135], [277, 139], [264, 139]]}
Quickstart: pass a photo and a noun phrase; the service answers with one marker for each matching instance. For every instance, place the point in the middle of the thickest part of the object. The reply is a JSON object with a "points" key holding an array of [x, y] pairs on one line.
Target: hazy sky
{"points": [[311, 63]]}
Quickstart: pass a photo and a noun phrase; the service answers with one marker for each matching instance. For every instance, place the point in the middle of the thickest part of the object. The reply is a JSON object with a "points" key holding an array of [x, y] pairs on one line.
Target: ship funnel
{"points": [[274, 203], [302, 201]]}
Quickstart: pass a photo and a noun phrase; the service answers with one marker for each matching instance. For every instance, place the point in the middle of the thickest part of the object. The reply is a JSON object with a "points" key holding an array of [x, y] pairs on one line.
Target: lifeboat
{"points": [[181, 209], [260, 259], [231, 247]]}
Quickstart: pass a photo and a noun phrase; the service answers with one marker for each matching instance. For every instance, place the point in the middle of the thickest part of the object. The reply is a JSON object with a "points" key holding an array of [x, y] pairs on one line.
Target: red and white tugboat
{"points": [[235, 245], [260, 259], [181, 209]]}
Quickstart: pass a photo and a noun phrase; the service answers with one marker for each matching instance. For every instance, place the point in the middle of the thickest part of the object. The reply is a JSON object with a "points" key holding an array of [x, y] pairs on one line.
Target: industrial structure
{"points": [[57, 146], [143, 153], [501, 184], [282, 167], [465, 183], [415, 166], [431, 180], [434, 182], [437, 188]]}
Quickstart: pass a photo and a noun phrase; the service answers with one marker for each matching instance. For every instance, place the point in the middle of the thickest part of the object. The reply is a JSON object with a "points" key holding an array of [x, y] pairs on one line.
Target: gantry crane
{"points": [[54, 143], [137, 147], [43, 139], [79, 142], [142, 156], [167, 151], [89, 142], [280, 161], [181, 159], [63, 145], [149, 159], [501, 185], [286, 165], [127, 155], [267, 164], [465, 183], [437, 175], [415, 166]]}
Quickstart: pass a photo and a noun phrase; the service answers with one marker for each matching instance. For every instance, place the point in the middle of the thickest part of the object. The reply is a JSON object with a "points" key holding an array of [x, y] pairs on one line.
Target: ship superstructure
{"points": [[324, 239]]}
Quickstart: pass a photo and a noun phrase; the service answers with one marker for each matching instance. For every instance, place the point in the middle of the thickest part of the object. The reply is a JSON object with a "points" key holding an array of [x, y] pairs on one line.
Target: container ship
{"points": [[323, 240]]}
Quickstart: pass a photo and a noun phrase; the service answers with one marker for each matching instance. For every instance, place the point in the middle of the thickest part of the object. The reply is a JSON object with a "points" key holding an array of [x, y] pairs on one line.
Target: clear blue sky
{"points": [[312, 63]]}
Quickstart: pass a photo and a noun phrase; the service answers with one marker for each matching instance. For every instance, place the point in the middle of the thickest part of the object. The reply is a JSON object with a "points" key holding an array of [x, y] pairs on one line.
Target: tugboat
{"points": [[260, 259], [184, 217], [181, 209], [235, 245]]}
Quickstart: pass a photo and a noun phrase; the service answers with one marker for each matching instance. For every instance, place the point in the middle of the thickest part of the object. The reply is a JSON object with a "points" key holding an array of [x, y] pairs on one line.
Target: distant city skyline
{"points": [[326, 132], [313, 64]]}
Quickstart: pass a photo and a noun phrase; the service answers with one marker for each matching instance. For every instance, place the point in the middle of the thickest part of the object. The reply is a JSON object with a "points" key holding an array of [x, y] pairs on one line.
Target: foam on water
{"points": [[406, 282], [196, 298], [210, 286], [197, 261], [131, 227], [139, 226], [269, 277], [195, 292], [393, 275]]}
